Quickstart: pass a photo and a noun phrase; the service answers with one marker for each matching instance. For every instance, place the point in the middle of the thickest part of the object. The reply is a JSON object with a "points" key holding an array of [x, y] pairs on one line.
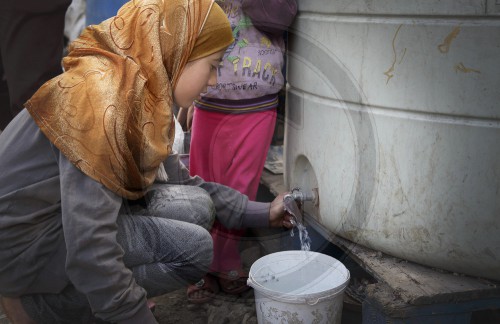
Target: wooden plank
{"points": [[386, 302], [418, 285]]}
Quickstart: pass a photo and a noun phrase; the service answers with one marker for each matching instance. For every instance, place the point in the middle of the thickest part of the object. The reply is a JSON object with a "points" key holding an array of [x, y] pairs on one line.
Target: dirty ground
{"points": [[173, 308]]}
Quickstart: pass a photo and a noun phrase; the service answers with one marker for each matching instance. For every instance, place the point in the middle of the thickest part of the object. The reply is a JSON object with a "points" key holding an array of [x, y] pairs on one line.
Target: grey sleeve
{"points": [[94, 257], [233, 208]]}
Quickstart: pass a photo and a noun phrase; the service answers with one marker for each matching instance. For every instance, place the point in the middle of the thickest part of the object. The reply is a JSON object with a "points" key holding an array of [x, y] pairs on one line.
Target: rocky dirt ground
{"points": [[174, 308]]}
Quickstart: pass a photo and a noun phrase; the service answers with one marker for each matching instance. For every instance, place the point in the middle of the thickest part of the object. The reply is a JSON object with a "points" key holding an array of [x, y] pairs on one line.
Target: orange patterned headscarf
{"points": [[110, 112]]}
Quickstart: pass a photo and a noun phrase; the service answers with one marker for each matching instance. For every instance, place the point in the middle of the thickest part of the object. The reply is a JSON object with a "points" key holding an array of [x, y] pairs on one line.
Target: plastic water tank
{"points": [[393, 113]]}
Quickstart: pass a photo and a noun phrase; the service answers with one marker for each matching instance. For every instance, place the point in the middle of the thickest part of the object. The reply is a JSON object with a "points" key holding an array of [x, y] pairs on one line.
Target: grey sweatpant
{"points": [[166, 243]]}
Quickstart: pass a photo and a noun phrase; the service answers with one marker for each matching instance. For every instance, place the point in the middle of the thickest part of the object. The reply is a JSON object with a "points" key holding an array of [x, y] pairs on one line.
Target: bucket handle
{"points": [[312, 302], [337, 291]]}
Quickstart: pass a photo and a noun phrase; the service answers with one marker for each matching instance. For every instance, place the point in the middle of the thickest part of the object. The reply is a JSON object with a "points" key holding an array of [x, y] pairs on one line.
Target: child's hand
{"points": [[277, 215]]}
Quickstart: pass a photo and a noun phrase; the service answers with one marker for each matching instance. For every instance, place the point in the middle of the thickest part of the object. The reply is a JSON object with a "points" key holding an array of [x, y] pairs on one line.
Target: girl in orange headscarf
{"points": [[96, 212]]}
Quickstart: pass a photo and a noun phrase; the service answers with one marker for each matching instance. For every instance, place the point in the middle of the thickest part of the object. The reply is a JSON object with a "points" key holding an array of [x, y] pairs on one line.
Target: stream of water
{"points": [[292, 208]]}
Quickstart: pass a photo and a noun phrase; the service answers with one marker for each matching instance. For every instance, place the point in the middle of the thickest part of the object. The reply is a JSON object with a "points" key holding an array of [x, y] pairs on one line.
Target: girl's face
{"points": [[195, 78]]}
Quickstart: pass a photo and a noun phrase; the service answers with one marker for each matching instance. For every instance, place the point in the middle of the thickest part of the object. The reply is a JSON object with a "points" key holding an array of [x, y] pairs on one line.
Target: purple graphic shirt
{"points": [[252, 65]]}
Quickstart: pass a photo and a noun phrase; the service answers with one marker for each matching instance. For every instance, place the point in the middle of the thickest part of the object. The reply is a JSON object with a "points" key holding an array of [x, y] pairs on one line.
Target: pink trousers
{"points": [[230, 149]]}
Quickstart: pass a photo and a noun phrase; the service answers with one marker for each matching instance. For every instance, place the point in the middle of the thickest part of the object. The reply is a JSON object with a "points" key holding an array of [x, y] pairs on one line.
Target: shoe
{"points": [[233, 282], [209, 288]]}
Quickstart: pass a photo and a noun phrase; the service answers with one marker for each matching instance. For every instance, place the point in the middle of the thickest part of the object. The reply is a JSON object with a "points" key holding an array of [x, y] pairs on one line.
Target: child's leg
{"points": [[164, 254], [184, 203], [170, 246], [239, 149], [230, 149]]}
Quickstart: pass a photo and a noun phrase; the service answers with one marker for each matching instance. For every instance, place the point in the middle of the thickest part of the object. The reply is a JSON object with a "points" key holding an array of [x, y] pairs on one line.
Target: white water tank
{"points": [[393, 113]]}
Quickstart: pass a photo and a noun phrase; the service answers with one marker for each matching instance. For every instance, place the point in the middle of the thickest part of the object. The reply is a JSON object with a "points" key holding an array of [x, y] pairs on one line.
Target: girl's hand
{"points": [[277, 215]]}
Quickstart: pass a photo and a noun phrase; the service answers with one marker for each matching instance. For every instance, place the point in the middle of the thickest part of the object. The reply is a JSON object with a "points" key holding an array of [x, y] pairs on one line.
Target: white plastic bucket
{"points": [[298, 287]]}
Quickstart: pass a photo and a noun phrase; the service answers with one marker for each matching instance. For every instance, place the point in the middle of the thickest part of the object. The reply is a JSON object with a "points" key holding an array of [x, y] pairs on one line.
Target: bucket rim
{"points": [[311, 298]]}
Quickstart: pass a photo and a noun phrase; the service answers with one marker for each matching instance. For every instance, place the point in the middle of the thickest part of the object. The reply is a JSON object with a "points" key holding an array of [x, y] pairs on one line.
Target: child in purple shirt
{"points": [[234, 122]]}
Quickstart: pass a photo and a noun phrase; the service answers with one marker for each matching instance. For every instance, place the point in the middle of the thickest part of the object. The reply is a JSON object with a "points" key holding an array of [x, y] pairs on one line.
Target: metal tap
{"points": [[294, 201]]}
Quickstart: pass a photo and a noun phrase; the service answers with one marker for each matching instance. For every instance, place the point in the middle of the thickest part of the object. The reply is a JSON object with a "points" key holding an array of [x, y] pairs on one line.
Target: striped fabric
{"points": [[238, 106]]}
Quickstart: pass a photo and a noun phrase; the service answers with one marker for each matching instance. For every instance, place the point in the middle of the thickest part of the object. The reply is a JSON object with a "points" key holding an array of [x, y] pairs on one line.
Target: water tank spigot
{"points": [[302, 196], [294, 202], [293, 207]]}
